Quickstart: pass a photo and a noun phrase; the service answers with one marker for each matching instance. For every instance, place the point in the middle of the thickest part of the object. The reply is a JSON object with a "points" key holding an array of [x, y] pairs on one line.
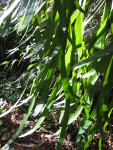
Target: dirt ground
{"points": [[43, 138]]}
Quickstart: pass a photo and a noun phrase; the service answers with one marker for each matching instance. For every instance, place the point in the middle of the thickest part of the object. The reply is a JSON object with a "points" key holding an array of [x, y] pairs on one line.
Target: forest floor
{"points": [[43, 138]]}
